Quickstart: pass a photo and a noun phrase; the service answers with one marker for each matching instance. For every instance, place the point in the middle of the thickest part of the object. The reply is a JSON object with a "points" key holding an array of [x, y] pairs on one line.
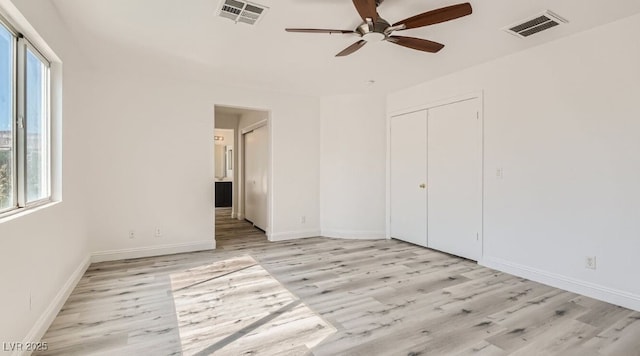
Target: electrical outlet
{"points": [[303, 219], [499, 173], [132, 234], [590, 262], [158, 232]]}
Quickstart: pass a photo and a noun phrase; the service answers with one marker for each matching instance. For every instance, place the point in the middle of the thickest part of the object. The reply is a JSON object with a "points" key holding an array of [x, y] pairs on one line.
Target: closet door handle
{"points": [[423, 186]]}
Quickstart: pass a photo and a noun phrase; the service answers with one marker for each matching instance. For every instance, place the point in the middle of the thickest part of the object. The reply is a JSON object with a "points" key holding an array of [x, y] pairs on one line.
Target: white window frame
{"points": [[20, 47], [23, 46]]}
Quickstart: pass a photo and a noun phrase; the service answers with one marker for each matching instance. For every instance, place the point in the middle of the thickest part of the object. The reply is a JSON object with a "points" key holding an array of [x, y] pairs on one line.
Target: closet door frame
{"points": [[430, 105]]}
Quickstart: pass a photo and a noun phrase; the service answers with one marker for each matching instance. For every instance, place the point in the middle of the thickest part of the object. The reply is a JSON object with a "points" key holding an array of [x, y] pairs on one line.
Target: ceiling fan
{"points": [[375, 28]]}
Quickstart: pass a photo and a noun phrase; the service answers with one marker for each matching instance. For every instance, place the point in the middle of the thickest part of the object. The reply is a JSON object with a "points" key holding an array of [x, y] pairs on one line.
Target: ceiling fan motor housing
{"points": [[374, 31]]}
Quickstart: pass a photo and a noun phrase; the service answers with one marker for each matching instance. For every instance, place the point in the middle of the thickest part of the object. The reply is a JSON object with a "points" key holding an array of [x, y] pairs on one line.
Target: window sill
{"points": [[20, 212]]}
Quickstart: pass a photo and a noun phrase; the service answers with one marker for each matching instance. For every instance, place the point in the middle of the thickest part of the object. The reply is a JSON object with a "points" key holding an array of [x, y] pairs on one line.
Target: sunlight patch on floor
{"points": [[235, 306]]}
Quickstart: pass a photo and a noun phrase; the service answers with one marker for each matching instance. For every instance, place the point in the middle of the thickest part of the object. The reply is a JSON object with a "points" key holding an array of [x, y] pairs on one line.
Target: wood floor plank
{"points": [[321, 296]]}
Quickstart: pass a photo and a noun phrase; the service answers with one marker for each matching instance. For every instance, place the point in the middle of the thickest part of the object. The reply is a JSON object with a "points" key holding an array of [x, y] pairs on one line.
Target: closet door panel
{"points": [[455, 179], [255, 183], [408, 177]]}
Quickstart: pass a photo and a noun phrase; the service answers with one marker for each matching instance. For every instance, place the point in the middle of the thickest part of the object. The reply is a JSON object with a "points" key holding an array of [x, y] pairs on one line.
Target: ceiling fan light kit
{"points": [[373, 32], [375, 29]]}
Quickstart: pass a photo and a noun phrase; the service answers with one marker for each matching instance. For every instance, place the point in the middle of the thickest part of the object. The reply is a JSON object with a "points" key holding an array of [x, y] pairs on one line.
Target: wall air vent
{"points": [[242, 11], [535, 24]]}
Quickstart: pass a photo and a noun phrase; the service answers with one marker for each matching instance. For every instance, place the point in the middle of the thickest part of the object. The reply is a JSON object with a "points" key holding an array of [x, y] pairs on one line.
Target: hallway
{"points": [[232, 233]]}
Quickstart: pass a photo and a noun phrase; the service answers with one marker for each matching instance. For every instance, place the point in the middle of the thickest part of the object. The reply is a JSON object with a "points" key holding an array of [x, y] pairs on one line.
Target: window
{"points": [[25, 133], [36, 128], [7, 141]]}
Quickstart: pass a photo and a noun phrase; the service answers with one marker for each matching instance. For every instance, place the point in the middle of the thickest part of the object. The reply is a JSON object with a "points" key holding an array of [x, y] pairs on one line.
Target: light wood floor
{"points": [[325, 296]]}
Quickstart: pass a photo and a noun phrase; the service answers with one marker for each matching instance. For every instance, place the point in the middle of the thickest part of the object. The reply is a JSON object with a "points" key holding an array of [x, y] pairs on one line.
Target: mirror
{"points": [[229, 160]]}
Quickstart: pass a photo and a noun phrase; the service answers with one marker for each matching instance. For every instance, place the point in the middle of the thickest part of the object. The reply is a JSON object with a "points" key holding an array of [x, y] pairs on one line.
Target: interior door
{"points": [[255, 176], [455, 179], [408, 177]]}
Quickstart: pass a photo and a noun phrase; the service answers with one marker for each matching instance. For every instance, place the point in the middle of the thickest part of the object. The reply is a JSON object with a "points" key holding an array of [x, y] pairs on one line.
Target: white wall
{"points": [[561, 120], [152, 162], [46, 249], [227, 135], [352, 166]]}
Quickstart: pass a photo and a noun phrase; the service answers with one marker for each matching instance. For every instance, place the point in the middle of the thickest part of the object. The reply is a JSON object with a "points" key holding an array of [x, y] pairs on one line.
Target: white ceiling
{"points": [[188, 39]]}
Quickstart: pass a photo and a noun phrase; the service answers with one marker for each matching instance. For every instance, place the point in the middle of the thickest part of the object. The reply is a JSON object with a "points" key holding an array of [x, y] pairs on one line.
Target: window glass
{"points": [[7, 141], [37, 130], [25, 133]]}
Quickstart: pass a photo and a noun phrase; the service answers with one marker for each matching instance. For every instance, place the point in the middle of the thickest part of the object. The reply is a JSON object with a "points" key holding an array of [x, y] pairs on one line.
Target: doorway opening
{"points": [[242, 175]]}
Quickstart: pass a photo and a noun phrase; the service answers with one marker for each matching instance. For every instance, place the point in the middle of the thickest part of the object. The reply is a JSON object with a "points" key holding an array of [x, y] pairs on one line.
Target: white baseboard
{"points": [[137, 252], [240, 216], [291, 235], [42, 324], [355, 235], [609, 295]]}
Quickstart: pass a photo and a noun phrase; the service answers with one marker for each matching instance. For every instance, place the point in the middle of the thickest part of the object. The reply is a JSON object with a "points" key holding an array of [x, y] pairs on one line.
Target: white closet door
{"points": [[408, 174], [255, 176], [455, 179]]}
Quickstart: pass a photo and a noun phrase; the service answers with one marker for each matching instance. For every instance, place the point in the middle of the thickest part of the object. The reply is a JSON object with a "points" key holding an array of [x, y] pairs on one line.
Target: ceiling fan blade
{"points": [[317, 30], [366, 9], [416, 43], [354, 47], [436, 16]]}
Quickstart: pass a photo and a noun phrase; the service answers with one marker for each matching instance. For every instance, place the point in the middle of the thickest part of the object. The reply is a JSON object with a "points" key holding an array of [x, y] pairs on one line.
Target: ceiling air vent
{"points": [[242, 11], [536, 24]]}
